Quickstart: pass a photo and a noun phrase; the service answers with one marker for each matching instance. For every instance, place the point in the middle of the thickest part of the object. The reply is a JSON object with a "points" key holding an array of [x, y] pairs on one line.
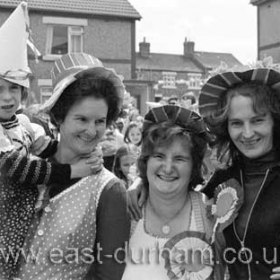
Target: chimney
{"points": [[188, 48], [144, 48]]}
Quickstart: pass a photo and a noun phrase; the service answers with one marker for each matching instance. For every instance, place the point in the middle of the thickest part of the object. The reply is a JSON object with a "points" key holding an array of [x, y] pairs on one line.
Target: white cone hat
{"points": [[14, 34]]}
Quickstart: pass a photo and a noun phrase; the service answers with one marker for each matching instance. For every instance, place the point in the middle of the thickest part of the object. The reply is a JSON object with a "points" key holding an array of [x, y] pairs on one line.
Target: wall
{"points": [[269, 30]]}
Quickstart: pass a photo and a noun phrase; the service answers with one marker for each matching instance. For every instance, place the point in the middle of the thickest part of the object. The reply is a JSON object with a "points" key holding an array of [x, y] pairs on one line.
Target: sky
{"points": [[228, 26]]}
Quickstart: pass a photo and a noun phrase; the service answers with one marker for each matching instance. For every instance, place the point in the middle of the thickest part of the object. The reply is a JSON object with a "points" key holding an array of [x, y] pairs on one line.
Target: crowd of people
{"points": [[90, 189]]}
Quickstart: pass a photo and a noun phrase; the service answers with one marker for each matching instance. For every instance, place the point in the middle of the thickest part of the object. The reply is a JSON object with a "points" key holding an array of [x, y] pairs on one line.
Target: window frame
{"points": [[75, 27]]}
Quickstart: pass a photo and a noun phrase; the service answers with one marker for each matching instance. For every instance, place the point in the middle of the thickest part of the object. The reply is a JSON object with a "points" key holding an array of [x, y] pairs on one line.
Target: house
{"points": [[178, 74], [268, 29], [103, 28]]}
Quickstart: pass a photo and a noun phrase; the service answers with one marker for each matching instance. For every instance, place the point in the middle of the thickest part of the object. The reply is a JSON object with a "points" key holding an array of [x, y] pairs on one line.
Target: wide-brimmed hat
{"points": [[177, 115], [219, 84], [67, 69]]}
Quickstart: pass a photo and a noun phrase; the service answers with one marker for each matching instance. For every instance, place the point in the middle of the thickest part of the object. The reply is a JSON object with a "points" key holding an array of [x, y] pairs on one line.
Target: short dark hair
{"points": [[87, 86], [164, 133]]}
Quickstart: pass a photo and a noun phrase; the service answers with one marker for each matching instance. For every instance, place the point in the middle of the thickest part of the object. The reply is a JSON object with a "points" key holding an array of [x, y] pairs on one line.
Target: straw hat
{"points": [[67, 68], [13, 47], [219, 84]]}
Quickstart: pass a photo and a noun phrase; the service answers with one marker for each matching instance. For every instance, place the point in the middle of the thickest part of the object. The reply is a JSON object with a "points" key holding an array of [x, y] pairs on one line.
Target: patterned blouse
{"points": [[81, 234]]}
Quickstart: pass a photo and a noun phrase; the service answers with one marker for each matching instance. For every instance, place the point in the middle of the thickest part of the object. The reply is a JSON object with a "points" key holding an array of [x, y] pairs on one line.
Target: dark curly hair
{"points": [[162, 134], [87, 85], [264, 99]]}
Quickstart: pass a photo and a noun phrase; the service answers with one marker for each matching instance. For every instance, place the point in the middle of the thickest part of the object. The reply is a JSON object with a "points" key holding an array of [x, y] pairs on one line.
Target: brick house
{"points": [[268, 29], [103, 28], [177, 74]]}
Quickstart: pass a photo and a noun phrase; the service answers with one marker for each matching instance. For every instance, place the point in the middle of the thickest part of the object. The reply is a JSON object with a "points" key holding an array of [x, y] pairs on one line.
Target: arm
{"points": [[219, 176], [33, 170], [136, 195], [112, 233]]}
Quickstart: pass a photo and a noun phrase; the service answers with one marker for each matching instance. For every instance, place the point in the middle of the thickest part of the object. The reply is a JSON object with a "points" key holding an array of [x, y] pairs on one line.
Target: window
{"points": [[169, 79], [194, 81], [45, 94], [64, 39], [64, 35]]}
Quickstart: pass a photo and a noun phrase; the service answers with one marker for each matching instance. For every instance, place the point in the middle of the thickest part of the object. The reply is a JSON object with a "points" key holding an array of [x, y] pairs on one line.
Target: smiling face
{"points": [[169, 170], [251, 132], [82, 128], [135, 135], [10, 98]]}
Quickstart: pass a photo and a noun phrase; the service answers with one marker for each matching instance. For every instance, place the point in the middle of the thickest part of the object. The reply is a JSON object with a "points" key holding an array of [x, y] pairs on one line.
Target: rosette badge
{"points": [[188, 255], [228, 199]]}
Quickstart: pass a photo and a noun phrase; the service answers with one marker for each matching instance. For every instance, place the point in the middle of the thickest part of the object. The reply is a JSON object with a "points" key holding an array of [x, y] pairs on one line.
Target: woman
{"points": [[174, 224], [242, 110], [79, 233]]}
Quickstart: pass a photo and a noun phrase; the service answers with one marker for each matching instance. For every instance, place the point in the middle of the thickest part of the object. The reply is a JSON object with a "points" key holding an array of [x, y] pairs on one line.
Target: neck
{"points": [[167, 207], [261, 163], [64, 155]]}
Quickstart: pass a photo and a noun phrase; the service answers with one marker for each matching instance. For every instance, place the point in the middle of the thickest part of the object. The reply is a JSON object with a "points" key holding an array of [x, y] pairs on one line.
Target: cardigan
{"points": [[259, 253]]}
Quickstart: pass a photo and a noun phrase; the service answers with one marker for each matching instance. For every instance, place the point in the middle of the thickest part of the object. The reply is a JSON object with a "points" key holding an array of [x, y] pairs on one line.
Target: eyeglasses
{"points": [[16, 74]]}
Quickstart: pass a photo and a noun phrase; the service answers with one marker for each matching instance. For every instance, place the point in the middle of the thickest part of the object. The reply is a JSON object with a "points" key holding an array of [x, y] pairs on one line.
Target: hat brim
{"points": [[219, 84], [24, 83], [99, 72]]}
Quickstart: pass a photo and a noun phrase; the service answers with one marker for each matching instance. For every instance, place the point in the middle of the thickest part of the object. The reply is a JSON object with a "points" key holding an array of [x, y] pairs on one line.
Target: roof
{"points": [[168, 62], [173, 62], [258, 2], [212, 60], [119, 8]]}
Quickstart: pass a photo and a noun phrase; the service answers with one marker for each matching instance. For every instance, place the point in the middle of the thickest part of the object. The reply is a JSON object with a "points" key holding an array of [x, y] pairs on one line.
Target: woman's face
{"points": [[169, 168], [10, 98], [83, 126], [251, 132], [135, 135]]}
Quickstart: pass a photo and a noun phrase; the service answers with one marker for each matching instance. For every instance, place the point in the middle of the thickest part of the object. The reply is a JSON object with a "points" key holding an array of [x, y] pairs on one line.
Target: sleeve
{"points": [[32, 170], [113, 227], [50, 149], [217, 178]]}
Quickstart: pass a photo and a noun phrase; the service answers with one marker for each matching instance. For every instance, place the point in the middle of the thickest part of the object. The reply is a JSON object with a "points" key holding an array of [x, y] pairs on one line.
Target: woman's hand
{"points": [[88, 166], [276, 273], [136, 196], [96, 160]]}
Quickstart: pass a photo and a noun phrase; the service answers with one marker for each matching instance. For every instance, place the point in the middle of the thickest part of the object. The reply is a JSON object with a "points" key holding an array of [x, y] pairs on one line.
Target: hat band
{"points": [[18, 75]]}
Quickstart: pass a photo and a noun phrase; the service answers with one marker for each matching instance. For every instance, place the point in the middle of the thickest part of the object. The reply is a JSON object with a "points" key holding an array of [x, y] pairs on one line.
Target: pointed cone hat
{"points": [[13, 48]]}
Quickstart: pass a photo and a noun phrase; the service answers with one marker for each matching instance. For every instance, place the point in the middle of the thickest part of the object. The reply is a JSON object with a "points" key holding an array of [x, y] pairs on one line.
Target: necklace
{"points": [[243, 249], [166, 229]]}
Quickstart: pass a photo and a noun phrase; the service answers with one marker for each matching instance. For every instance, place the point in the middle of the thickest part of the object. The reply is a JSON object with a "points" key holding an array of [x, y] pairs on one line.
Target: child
{"points": [[19, 173], [124, 165], [133, 137]]}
